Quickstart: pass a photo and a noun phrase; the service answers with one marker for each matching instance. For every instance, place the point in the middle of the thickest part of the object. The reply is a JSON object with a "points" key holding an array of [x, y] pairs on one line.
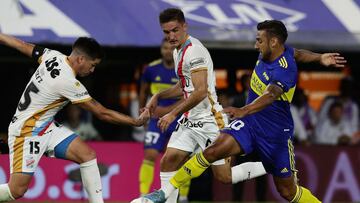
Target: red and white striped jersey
{"points": [[192, 57]]}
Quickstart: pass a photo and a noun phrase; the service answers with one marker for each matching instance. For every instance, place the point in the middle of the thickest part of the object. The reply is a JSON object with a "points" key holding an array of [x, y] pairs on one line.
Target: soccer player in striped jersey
{"points": [[158, 76], [265, 124], [33, 131]]}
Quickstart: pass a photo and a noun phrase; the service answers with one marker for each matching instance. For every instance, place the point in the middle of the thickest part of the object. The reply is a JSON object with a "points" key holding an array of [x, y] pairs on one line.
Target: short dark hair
{"points": [[171, 14], [274, 28], [89, 46], [335, 104]]}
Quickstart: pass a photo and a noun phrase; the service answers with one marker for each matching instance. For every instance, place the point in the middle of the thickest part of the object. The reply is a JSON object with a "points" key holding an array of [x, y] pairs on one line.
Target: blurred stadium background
{"points": [[131, 35]]}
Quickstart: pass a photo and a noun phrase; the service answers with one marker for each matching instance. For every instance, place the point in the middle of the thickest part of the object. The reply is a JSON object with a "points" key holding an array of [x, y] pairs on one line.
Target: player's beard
{"points": [[265, 55]]}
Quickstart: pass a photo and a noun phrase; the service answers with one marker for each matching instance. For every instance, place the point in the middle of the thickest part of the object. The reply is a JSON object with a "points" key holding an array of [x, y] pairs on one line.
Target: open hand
{"points": [[234, 112], [165, 121], [332, 60], [143, 118]]}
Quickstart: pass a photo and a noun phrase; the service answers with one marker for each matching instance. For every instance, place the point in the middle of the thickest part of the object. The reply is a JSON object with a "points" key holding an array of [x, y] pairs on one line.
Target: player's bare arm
{"points": [[111, 116], [271, 93], [162, 110], [326, 59], [173, 92], [199, 80], [23, 47], [143, 94]]}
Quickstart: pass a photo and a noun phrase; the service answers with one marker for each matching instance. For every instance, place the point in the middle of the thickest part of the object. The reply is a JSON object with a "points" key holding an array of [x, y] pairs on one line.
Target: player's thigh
{"points": [[236, 138], [150, 154], [79, 152], [182, 139], [223, 147], [277, 157], [65, 144]]}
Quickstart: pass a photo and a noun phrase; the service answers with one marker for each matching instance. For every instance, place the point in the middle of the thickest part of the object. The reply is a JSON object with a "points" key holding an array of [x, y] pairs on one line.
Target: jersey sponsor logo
{"points": [[197, 62], [265, 76], [51, 65], [81, 94], [257, 85], [189, 124], [30, 162]]}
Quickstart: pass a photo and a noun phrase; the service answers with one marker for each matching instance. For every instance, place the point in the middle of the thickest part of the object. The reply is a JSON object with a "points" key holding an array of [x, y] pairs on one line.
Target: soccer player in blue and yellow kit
{"points": [[158, 75], [265, 124]]}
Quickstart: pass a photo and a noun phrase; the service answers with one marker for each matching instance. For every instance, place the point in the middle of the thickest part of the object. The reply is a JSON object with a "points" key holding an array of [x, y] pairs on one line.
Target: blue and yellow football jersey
{"points": [[160, 78], [281, 72], [269, 132]]}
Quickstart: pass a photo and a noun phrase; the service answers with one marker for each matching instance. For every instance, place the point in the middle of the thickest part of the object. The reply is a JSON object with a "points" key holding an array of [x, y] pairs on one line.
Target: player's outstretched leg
{"points": [[80, 152], [289, 190], [196, 166]]}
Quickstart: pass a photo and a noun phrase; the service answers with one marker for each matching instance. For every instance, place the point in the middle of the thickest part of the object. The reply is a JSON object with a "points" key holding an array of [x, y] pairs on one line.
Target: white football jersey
{"points": [[50, 88], [192, 57]]}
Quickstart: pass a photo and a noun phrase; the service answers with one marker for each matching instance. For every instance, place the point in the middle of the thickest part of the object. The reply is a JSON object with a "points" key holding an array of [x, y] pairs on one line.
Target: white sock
{"points": [[247, 171], [91, 180], [183, 198], [171, 193], [5, 194]]}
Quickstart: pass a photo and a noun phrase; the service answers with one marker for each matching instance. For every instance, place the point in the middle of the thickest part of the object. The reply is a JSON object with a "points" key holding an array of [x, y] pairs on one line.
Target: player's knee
{"points": [[211, 154], [150, 155], [88, 156], [285, 192], [167, 163]]}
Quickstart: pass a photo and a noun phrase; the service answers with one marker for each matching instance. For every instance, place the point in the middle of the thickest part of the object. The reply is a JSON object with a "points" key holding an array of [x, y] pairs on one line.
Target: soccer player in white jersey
{"points": [[201, 117], [33, 131]]}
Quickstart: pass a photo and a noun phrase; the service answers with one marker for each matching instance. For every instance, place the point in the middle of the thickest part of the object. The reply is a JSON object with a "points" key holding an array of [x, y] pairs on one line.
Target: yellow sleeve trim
{"points": [[199, 69], [81, 101], [156, 62], [40, 59]]}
